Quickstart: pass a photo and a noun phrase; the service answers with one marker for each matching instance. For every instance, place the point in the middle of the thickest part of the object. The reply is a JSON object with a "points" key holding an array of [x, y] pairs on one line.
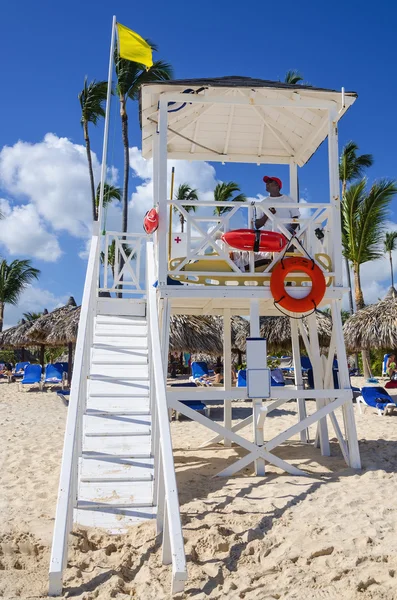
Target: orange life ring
{"points": [[255, 240], [280, 295], [151, 221]]}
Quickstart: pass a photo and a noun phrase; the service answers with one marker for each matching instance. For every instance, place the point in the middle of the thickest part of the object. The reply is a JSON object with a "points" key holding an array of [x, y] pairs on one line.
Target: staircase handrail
{"points": [[167, 472], [68, 480]]}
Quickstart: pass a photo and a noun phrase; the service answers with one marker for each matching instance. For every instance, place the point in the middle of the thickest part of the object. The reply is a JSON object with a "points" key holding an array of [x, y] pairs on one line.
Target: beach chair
{"points": [[384, 365], [32, 375], [199, 371], [376, 397], [276, 375], [64, 368], [19, 370], [193, 404], [53, 375]]}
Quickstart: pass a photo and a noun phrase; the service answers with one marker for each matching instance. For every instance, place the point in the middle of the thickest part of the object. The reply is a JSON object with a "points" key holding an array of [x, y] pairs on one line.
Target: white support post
{"points": [[344, 382], [227, 371], [318, 378], [166, 557], [155, 151], [160, 500], [107, 120], [293, 181], [256, 404], [296, 355], [162, 197], [333, 164]]}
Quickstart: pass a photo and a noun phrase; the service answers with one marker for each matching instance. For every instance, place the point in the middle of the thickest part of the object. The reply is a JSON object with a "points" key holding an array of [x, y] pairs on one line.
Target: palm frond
{"points": [[110, 193], [14, 278], [369, 221], [92, 99], [351, 165], [224, 193], [293, 77], [390, 241]]}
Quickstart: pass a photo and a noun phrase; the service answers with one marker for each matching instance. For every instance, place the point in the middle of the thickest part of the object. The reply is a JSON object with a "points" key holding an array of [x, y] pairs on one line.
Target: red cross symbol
{"points": [[177, 239]]}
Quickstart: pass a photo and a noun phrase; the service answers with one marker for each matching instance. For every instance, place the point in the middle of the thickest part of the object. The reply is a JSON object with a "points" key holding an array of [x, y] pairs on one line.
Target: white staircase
{"points": [[115, 474]]}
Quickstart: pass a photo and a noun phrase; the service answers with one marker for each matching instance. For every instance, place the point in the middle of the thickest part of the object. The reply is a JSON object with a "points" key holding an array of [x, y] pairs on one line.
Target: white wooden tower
{"points": [[118, 465]]}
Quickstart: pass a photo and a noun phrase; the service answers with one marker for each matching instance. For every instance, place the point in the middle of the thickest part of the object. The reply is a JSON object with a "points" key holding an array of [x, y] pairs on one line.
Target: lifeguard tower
{"points": [[117, 467]]}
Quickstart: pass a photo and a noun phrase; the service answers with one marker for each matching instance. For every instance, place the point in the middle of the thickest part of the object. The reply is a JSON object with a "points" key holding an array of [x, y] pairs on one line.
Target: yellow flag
{"points": [[133, 47]]}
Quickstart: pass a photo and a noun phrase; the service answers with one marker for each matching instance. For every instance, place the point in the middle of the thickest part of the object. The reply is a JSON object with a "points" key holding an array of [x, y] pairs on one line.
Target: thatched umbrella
{"points": [[202, 334], [17, 337], [375, 326], [277, 331], [43, 328]]}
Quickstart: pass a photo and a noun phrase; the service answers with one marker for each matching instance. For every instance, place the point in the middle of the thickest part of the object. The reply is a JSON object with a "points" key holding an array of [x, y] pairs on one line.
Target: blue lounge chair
{"points": [[376, 397], [242, 379], [32, 375], [193, 404], [384, 365], [19, 370], [199, 371], [53, 375]]}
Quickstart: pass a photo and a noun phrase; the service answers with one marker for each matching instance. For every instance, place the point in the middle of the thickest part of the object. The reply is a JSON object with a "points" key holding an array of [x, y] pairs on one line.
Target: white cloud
{"points": [[32, 299], [23, 232], [199, 175], [53, 176]]}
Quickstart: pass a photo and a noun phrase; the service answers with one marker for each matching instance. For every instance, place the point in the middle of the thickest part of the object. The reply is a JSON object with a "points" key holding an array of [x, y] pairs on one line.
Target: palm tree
{"points": [[363, 217], [110, 193], [14, 278], [390, 244], [185, 192], [92, 99], [224, 193], [130, 77], [31, 316], [351, 166], [112, 255], [293, 77]]}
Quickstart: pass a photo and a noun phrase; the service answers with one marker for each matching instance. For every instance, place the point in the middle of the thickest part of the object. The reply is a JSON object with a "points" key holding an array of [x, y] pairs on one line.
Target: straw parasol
{"points": [[277, 331], [375, 326], [42, 331], [202, 334]]}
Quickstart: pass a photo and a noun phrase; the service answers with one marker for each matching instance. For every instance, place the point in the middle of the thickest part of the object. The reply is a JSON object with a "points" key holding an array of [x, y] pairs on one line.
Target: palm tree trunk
{"points": [[90, 170], [360, 304], [391, 269], [1, 315], [182, 220]]}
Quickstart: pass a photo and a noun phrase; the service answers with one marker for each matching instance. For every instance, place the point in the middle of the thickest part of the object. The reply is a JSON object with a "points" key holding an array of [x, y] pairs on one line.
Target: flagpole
{"points": [[106, 130]]}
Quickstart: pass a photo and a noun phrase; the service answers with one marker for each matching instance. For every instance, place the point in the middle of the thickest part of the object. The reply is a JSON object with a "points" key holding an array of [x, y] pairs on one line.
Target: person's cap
{"points": [[276, 179]]}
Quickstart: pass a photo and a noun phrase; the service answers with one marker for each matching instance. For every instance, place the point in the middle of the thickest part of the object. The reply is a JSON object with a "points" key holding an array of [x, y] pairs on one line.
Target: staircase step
{"points": [[117, 445], [102, 329], [115, 371], [117, 405], [119, 341], [111, 354], [98, 387], [108, 425], [109, 493], [116, 469], [114, 520], [119, 320]]}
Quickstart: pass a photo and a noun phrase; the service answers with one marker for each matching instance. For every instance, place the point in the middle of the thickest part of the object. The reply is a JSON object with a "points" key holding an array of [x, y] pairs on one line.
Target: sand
{"points": [[330, 535]]}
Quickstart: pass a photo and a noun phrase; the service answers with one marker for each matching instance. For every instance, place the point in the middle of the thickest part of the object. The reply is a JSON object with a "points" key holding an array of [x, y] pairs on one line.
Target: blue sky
{"points": [[49, 47]]}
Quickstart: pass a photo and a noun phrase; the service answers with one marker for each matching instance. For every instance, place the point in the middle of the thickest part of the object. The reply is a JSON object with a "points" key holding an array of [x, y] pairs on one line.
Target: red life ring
{"points": [[151, 221], [255, 240], [280, 295]]}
